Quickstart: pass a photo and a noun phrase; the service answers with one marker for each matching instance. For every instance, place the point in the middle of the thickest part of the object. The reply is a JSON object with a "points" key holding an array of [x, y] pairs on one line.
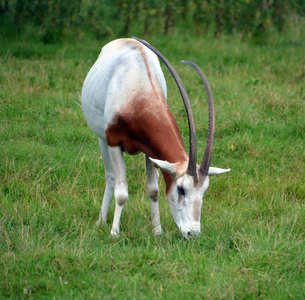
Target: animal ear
{"points": [[216, 171], [165, 166]]}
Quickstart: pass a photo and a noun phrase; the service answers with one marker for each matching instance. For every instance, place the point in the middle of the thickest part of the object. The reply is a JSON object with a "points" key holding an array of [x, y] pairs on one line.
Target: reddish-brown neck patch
{"points": [[146, 124]]}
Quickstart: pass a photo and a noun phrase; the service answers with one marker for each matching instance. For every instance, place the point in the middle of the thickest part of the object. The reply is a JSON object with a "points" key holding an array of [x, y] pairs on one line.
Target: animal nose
{"points": [[193, 234]]}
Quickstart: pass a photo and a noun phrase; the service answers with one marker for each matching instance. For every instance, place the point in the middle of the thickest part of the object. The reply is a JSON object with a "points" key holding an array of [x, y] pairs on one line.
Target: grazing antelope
{"points": [[124, 102]]}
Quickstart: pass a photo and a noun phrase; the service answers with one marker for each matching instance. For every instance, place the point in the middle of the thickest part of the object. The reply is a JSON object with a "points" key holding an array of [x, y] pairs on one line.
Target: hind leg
{"points": [[109, 176], [120, 187]]}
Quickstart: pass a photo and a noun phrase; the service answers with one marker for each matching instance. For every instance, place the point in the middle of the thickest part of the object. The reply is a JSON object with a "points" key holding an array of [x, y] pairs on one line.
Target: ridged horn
{"points": [[191, 169], [205, 164]]}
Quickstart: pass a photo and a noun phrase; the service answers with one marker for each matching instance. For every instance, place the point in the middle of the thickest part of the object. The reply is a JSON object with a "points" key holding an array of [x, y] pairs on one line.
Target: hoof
{"points": [[157, 230], [114, 233]]}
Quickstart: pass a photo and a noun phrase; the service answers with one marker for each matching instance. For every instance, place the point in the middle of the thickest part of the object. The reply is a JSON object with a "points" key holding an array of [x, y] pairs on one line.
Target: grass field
{"points": [[51, 179]]}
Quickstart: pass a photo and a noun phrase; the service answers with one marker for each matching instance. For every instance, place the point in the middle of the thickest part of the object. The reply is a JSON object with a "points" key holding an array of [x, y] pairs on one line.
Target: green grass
{"points": [[51, 179]]}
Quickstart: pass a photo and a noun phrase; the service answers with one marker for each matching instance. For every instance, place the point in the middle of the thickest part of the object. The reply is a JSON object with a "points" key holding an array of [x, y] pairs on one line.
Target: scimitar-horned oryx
{"points": [[124, 102]]}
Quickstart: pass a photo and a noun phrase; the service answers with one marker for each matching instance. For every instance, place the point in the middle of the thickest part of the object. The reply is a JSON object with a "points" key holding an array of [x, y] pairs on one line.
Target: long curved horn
{"points": [[191, 169], [205, 164]]}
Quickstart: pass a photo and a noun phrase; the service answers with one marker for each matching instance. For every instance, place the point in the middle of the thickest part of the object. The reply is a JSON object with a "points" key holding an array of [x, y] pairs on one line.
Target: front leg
{"points": [[120, 187], [153, 194]]}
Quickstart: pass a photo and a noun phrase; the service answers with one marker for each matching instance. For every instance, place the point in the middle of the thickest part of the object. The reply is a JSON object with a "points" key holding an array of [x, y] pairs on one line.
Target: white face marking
{"points": [[185, 197], [185, 201]]}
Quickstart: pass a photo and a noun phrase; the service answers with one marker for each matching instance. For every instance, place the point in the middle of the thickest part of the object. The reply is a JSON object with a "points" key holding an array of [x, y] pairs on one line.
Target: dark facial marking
{"points": [[181, 190]]}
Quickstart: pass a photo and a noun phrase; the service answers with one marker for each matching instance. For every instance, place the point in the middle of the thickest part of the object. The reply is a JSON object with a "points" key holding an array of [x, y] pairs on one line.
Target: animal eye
{"points": [[181, 190]]}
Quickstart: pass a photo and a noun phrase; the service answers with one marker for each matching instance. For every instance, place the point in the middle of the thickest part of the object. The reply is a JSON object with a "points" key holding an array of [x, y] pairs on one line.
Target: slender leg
{"points": [[109, 176], [120, 188], [153, 194]]}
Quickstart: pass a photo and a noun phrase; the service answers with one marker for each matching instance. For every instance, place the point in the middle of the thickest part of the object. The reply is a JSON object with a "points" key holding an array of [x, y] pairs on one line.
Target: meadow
{"points": [[52, 179]]}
